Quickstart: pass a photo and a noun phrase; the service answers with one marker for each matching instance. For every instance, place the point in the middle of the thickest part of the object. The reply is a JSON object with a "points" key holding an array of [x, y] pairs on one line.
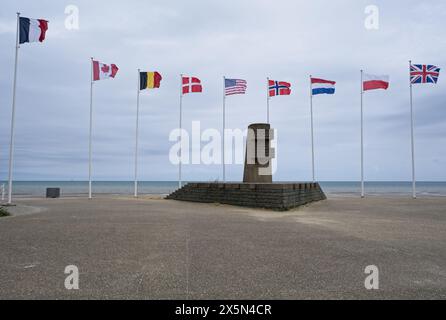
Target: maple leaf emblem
{"points": [[105, 69]]}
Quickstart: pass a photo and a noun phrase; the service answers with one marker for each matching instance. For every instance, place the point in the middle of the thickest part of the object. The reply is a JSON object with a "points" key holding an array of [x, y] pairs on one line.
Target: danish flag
{"points": [[191, 85]]}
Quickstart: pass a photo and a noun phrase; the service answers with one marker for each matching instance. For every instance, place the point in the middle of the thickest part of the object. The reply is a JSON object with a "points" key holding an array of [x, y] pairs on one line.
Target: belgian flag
{"points": [[149, 80]]}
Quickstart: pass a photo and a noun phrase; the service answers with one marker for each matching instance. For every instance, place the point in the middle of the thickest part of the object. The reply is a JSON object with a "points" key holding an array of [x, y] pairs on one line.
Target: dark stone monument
{"points": [[257, 189]]}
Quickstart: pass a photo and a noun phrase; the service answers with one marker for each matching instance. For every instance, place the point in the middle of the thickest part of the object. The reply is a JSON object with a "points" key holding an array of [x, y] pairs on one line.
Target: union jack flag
{"points": [[422, 73]]}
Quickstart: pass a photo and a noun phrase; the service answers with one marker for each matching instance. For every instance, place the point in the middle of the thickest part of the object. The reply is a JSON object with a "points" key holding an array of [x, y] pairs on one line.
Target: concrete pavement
{"points": [[159, 249]]}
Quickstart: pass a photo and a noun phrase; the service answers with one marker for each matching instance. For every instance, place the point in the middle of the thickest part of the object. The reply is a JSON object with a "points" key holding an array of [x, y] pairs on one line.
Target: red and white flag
{"points": [[278, 88], [191, 84], [103, 71], [373, 82]]}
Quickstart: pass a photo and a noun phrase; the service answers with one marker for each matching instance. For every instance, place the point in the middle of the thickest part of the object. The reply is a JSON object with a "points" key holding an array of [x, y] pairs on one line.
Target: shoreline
{"points": [[331, 195], [333, 189]]}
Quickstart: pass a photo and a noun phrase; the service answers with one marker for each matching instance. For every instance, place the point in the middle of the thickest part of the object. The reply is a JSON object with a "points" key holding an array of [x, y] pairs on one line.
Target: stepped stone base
{"points": [[275, 196]]}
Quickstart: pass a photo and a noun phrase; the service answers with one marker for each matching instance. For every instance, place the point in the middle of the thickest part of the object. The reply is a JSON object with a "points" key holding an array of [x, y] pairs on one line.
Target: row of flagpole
{"points": [[267, 112], [273, 88], [223, 135]]}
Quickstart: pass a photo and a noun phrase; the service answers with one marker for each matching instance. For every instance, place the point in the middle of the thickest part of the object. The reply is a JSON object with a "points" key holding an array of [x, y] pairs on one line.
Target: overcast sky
{"points": [[286, 40]]}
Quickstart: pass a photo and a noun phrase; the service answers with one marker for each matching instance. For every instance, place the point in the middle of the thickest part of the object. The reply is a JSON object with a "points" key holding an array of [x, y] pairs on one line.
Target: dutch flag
{"points": [[32, 30], [321, 86]]}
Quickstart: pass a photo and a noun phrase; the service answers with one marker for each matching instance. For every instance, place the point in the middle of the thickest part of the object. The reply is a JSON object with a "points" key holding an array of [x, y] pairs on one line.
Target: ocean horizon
{"points": [[339, 188]]}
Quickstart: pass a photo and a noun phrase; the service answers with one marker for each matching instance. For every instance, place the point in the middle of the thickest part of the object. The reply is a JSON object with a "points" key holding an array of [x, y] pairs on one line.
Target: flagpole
{"points": [[362, 136], [181, 132], [224, 127], [312, 129], [11, 144], [136, 134], [414, 190], [91, 130], [267, 100]]}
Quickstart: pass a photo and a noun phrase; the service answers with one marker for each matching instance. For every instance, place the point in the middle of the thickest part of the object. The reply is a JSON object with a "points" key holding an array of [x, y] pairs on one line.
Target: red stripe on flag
{"points": [[375, 84], [317, 80], [96, 70], [43, 25]]}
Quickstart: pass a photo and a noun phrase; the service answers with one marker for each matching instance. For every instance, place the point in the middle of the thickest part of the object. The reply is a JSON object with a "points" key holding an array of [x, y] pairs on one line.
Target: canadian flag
{"points": [[103, 71], [191, 84]]}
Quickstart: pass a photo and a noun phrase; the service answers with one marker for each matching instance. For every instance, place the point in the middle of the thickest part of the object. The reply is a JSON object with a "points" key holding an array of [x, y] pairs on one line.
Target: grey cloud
{"points": [[246, 39]]}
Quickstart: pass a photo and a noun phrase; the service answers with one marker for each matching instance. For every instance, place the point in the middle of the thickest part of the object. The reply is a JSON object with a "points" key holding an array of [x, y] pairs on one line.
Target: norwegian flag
{"points": [[103, 71], [191, 85], [279, 88], [424, 73]]}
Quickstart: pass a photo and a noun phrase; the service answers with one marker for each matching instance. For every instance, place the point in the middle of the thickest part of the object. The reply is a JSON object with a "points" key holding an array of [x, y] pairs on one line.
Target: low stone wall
{"points": [[275, 196]]}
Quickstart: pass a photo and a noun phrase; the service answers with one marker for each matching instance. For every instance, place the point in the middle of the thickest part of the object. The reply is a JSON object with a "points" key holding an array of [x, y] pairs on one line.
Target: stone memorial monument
{"points": [[257, 189], [259, 155]]}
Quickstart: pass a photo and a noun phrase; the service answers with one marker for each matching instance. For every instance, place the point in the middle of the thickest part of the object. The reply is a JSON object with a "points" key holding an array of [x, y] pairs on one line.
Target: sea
{"points": [[331, 188]]}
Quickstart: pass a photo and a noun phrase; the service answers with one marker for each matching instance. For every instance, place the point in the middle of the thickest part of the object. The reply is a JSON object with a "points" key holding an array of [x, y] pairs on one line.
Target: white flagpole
{"points": [[312, 130], [181, 132], [267, 100], [414, 188], [224, 127], [91, 130], [11, 144], [136, 134], [362, 136]]}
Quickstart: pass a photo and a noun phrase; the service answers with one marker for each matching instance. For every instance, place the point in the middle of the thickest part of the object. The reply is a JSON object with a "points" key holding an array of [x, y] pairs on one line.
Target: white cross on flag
{"points": [[103, 71]]}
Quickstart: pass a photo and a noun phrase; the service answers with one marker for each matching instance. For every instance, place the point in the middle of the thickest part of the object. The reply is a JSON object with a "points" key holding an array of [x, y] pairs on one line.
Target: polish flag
{"points": [[103, 71], [191, 84], [373, 82]]}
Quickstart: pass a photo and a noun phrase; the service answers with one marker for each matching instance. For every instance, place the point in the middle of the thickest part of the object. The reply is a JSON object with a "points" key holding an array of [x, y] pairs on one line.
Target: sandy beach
{"points": [[152, 248]]}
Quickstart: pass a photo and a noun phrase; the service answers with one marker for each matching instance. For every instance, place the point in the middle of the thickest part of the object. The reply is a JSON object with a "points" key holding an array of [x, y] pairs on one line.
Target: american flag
{"points": [[422, 73], [235, 86]]}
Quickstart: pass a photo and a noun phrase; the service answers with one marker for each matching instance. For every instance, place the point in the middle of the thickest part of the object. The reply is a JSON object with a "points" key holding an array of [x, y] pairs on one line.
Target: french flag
{"points": [[373, 82], [321, 86], [32, 30]]}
